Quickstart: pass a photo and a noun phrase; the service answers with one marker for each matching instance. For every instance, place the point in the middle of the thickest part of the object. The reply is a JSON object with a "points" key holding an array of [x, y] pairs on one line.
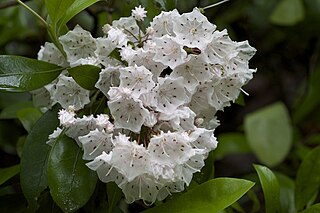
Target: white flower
{"points": [[52, 137], [169, 52], [169, 94], [194, 72], [136, 78], [117, 37], [202, 138], [129, 158], [108, 77], [193, 29], [128, 26], [105, 171], [67, 118], [170, 148], [127, 112], [138, 13], [144, 57], [143, 187], [67, 92], [81, 126], [163, 23], [94, 143], [50, 53], [102, 122], [182, 119], [78, 44]]}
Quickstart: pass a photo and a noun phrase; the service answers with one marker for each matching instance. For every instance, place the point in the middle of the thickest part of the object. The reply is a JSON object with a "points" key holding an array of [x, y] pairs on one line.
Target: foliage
{"points": [[272, 142]]}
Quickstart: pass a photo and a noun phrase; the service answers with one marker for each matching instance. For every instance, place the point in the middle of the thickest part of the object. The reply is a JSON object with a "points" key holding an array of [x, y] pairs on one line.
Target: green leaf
{"points": [[28, 117], [19, 74], [270, 187], [114, 196], [86, 75], [71, 182], [33, 174], [312, 209], [10, 112], [7, 173], [308, 179], [212, 196], [310, 101], [231, 143], [171, 4], [288, 13], [75, 8], [57, 9], [286, 193], [269, 133]]}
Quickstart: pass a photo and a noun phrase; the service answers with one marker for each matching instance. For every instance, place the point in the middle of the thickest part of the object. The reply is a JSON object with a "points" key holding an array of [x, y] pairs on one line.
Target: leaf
{"points": [[7, 173], [10, 112], [212, 196], [57, 9], [71, 182], [9, 98], [28, 117], [114, 196], [171, 4], [269, 133], [308, 179], [19, 74], [270, 187], [310, 100], [312, 209], [288, 13], [86, 75], [231, 143], [75, 8], [33, 174], [286, 193]]}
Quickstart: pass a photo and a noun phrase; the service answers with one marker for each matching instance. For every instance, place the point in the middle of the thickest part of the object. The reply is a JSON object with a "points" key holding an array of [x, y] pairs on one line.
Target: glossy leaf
{"points": [[270, 187], [71, 182], [114, 196], [34, 159], [18, 74], [286, 193], [75, 8], [57, 9], [7, 173], [212, 196], [312, 209], [28, 117], [86, 75], [308, 179], [10, 112], [288, 12], [231, 143], [269, 133]]}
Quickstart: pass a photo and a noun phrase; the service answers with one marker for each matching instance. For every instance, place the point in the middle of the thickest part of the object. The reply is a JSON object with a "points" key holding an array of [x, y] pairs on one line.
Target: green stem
{"points": [[33, 12], [216, 4]]}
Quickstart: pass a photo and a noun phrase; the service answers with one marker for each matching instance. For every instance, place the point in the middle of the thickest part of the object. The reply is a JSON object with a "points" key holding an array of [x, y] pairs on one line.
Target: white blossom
{"points": [[139, 13]]}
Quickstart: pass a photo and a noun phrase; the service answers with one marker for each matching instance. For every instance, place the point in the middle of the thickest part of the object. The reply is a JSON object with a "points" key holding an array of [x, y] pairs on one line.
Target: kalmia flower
{"points": [[160, 90]]}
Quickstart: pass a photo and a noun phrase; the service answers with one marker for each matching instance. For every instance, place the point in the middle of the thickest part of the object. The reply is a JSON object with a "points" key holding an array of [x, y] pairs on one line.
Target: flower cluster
{"points": [[163, 92]]}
